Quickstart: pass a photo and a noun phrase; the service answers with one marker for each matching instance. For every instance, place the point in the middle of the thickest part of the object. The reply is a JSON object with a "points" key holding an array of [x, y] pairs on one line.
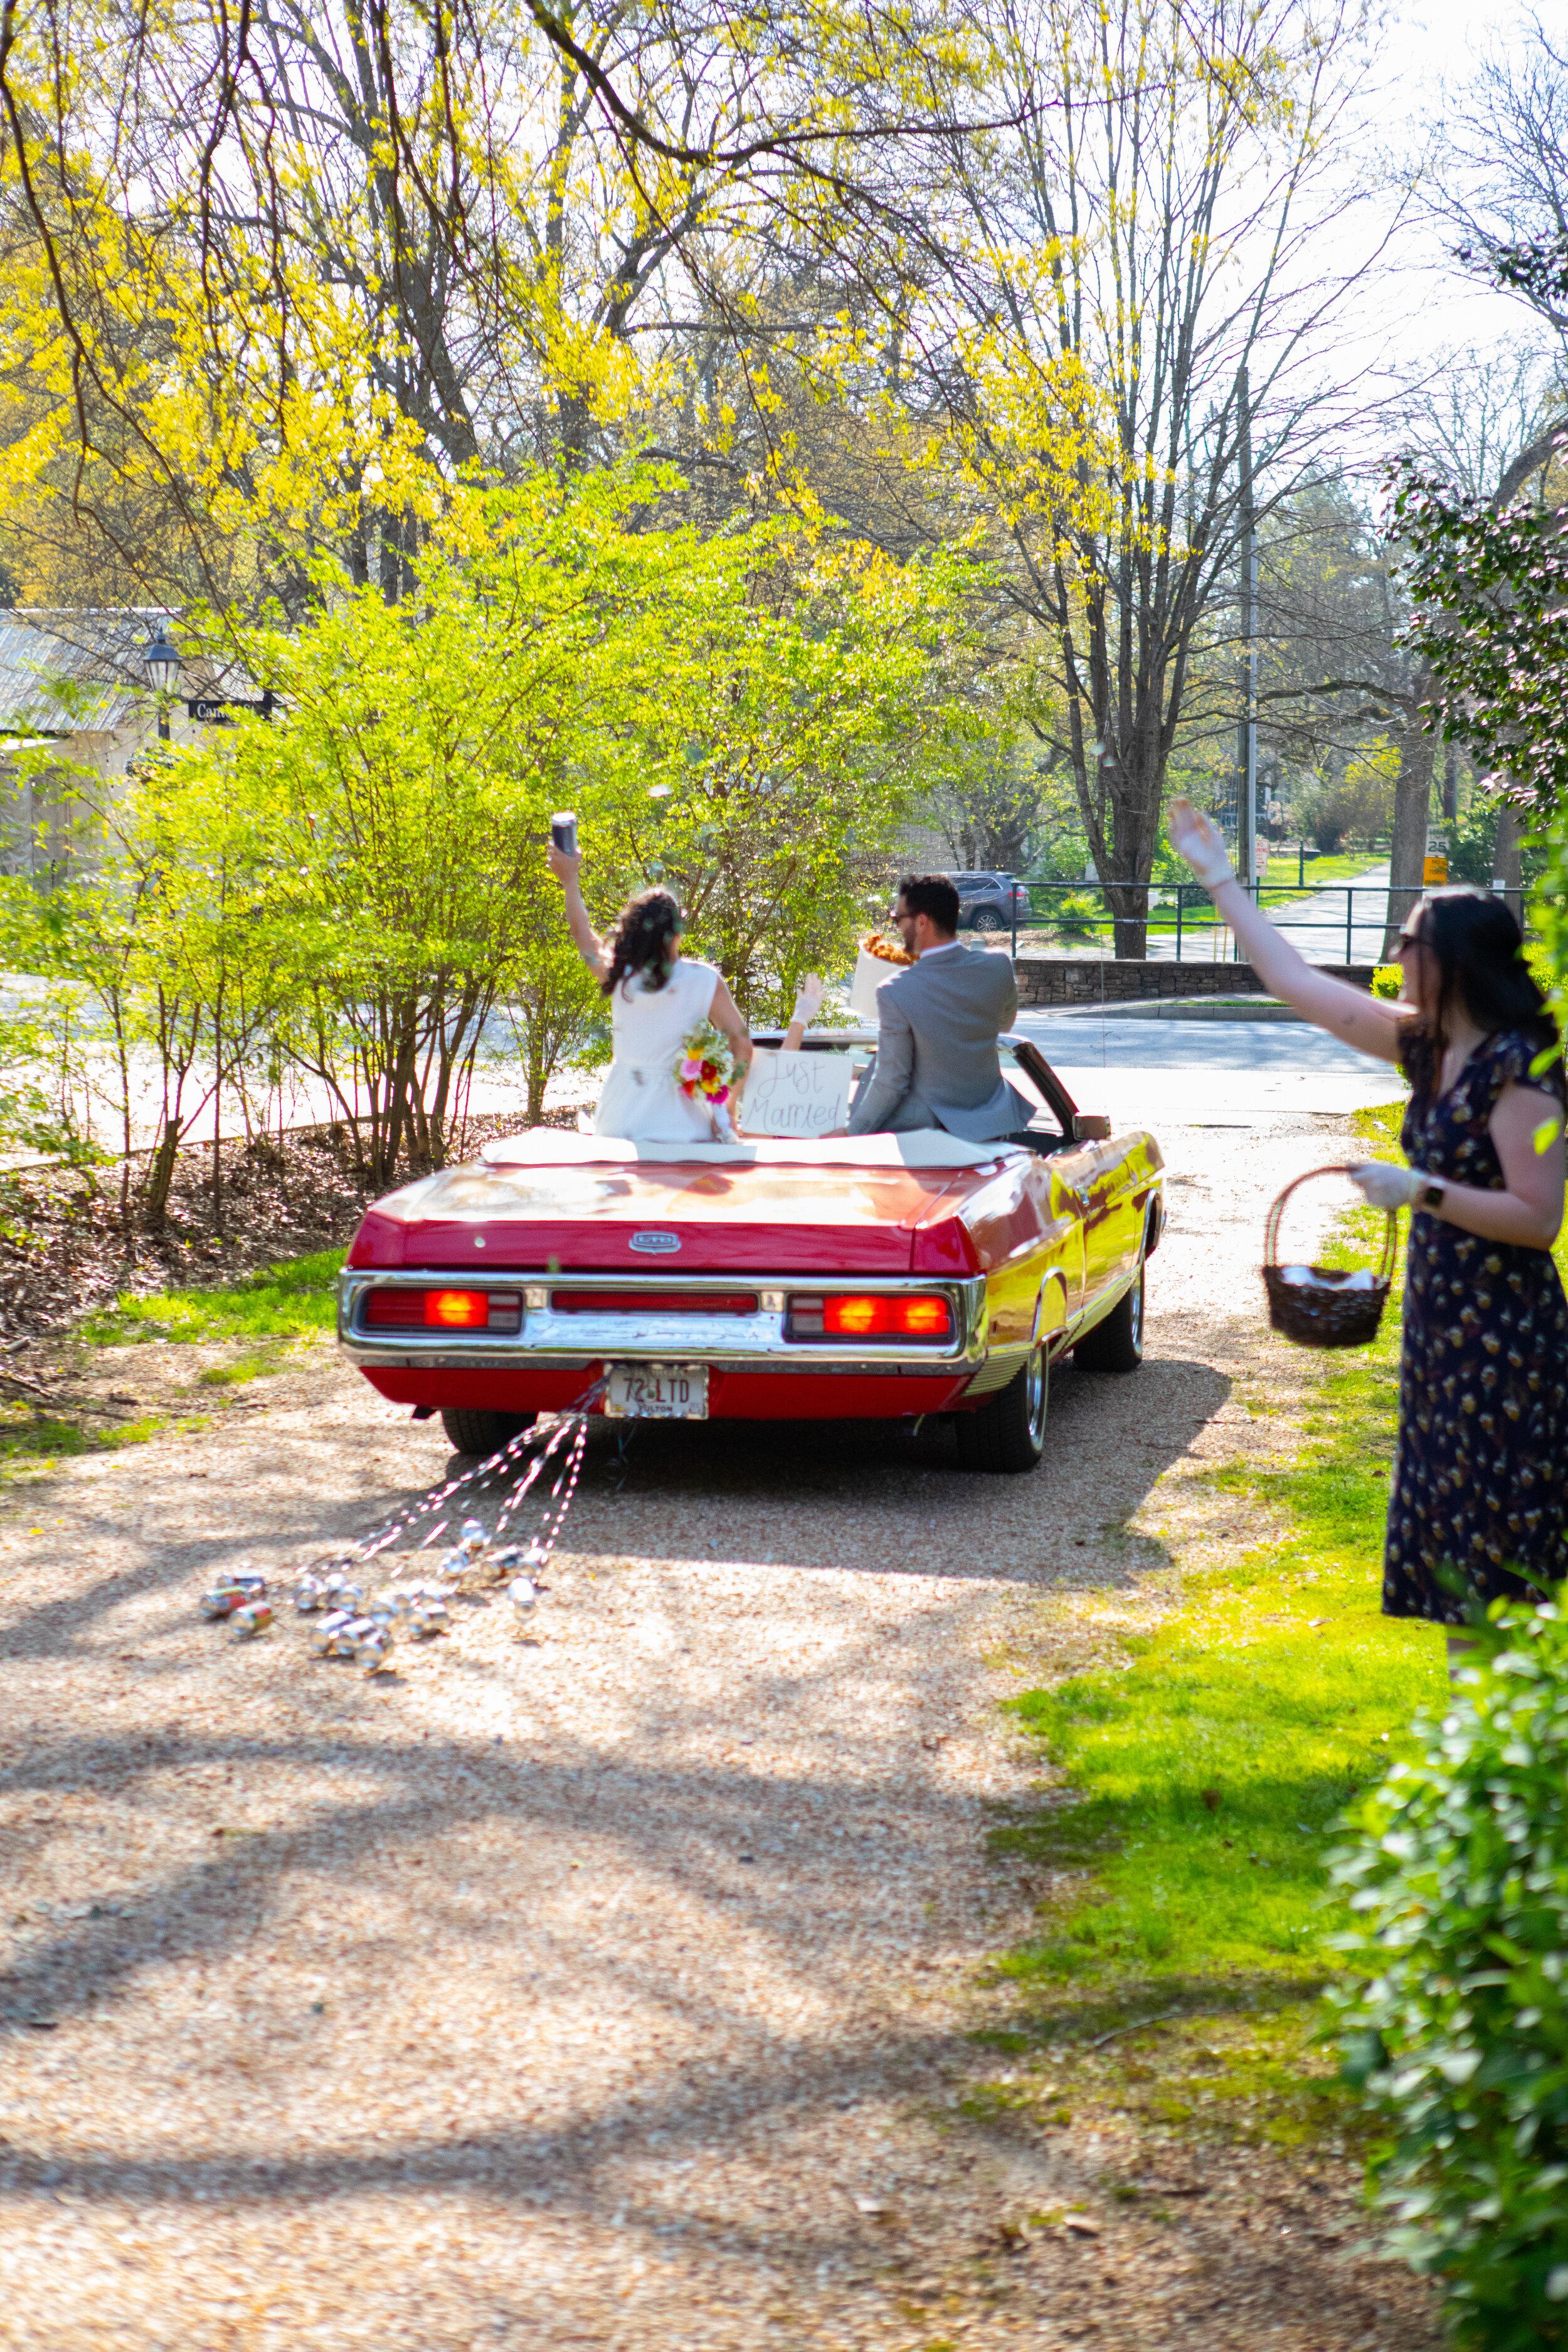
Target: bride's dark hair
{"points": [[645, 930]]}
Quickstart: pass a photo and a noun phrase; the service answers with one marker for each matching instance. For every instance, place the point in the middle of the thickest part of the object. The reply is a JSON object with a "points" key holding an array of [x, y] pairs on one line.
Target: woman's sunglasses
{"points": [[1408, 939]]}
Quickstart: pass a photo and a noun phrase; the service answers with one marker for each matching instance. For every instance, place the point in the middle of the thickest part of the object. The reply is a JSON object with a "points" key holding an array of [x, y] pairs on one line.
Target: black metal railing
{"points": [[1184, 913]]}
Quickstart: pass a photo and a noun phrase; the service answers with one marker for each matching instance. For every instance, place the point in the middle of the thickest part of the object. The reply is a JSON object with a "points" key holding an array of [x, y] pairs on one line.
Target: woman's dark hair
{"points": [[1480, 966], [645, 930]]}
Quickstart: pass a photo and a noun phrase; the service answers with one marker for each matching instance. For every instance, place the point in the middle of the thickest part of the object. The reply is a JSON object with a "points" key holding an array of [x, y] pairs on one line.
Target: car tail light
{"points": [[443, 1310], [871, 1315]]}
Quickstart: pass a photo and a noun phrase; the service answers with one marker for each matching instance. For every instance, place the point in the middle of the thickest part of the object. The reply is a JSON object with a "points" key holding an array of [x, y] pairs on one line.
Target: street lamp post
{"points": [[162, 662]]}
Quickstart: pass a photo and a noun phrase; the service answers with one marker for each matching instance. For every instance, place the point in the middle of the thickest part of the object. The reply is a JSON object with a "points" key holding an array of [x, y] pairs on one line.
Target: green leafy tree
{"points": [[748, 715], [803, 710]]}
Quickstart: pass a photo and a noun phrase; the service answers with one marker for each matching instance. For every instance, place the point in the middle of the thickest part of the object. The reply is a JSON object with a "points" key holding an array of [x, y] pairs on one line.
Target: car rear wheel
{"points": [[1007, 1433], [471, 1430], [1117, 1344], [987, 919]]}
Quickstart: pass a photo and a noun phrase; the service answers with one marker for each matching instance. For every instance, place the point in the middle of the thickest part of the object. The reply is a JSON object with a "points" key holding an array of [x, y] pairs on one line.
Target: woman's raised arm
{"points": [[590, 947], [1369, 1022]]}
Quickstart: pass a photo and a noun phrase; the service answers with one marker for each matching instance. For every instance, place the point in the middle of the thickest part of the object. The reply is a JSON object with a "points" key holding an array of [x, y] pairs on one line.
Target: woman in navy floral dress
{"points": [[1478, 1509], [1480, 1478]]}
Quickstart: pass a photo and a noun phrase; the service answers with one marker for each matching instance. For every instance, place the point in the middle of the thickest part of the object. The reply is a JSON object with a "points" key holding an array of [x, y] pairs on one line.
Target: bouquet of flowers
{"points": [[706, 1069], [887, 951]]}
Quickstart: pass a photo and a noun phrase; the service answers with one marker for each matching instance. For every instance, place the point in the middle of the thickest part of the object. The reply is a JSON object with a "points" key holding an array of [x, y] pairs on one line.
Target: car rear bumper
{"points": [[733, 1394], [755, 1370]]}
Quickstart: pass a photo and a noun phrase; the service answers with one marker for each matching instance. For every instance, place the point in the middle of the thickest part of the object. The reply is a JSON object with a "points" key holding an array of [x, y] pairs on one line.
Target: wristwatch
{"points": [[1432, 1195]]}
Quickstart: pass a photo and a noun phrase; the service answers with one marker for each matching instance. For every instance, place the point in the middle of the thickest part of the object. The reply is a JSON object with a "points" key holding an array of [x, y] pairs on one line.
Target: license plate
{"points": [[657, 1392]]}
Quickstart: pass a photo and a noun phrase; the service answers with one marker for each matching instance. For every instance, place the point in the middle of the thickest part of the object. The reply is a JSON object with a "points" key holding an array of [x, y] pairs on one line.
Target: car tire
{"points": [[1007, 1433], [471, 1430], [987, 919], [1117, 1344]]}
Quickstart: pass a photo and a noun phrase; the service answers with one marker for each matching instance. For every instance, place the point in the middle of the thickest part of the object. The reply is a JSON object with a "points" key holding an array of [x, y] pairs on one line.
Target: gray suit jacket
{"points": [[937, 1064]]}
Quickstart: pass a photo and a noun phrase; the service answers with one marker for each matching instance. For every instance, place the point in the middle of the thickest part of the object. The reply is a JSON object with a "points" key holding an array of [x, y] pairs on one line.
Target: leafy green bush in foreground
{"points": [[1454, 2013]]}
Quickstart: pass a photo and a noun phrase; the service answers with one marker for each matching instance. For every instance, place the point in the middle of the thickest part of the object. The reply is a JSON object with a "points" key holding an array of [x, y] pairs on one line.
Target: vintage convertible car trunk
{"points": [[704, 1254], [885, 1277]]}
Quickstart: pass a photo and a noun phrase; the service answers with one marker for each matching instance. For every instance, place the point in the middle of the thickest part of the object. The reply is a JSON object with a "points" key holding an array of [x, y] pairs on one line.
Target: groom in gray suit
{"points": [[939, 1020]]}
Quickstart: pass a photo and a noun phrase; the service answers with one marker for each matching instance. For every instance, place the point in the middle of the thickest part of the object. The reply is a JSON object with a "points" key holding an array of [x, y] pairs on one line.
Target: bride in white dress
{"points": [[657, 996]]}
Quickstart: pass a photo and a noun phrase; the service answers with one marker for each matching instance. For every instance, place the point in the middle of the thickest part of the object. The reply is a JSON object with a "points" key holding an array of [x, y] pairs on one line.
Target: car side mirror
{"points": [[1090, 1126]]}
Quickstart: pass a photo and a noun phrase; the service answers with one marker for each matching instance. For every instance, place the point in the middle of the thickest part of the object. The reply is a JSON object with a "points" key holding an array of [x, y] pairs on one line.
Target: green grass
{"points": [[1211, 1765], [288, 1301], [1205, 1770], [256, 1318], [27, 1438]]}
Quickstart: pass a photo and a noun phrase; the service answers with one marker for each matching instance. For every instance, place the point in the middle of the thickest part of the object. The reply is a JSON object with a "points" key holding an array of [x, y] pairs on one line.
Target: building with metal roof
{"points": [[77, 681]]}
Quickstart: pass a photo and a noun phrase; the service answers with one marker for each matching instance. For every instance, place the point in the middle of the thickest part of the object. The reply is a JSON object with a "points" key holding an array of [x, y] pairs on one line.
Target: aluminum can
{"points": [[373, 1649], [231, 1591], [330, 1639], [472, 1537], [524, 1594], [311, 1594], [252, 1617], [428, 1617]]}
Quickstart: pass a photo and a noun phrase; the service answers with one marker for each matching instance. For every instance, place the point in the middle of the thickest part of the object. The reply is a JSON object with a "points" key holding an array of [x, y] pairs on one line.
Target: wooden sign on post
{"points": [[797, 1094]]}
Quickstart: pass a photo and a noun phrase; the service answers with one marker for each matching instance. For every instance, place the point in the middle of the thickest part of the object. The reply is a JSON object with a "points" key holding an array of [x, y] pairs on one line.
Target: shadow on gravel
{"points": [[806, 1494]]}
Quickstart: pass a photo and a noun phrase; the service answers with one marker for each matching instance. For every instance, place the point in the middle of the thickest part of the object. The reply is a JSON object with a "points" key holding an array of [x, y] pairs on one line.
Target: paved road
{"points": [[1317, 925], [1147, 1072]]}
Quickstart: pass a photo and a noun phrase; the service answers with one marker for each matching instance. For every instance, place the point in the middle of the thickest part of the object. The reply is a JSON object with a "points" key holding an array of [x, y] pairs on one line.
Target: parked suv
{"points": [[985, 901]]}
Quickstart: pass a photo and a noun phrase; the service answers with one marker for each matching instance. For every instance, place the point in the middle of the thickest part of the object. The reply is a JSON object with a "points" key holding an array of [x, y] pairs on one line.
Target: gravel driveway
{"points": [[612, 1988]]}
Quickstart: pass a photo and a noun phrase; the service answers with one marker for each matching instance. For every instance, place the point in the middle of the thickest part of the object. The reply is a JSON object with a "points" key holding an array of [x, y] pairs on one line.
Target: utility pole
{"points": [[1246, 733]]}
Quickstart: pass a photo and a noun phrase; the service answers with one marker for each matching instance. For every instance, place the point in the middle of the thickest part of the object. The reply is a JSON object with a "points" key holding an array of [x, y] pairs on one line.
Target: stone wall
{"points": [[1086, 979]]}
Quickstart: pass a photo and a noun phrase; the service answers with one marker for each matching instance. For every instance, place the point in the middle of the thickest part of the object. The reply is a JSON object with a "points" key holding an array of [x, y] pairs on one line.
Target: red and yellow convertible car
{"points": [[868, 1278]]}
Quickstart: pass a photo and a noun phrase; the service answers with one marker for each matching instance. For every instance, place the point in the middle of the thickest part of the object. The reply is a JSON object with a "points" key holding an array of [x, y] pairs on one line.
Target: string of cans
{"points": [[333, 1592]]}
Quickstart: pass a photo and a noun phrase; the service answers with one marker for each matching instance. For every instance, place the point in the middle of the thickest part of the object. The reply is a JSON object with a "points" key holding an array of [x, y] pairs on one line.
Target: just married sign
{"points": [[797, 1094]]}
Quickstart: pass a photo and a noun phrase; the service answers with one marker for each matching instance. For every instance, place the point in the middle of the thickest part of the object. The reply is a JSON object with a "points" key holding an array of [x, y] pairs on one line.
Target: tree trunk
{"points": [[1506, 869], [1412, 815], [159, 1177]]}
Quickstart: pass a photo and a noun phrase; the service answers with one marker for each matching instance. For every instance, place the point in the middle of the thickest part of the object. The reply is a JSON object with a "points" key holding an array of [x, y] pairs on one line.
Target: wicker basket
{"points": [[1329, 1316]]}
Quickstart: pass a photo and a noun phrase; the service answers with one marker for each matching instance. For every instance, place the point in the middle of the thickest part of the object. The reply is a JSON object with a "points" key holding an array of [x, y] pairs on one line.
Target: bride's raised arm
{"points": [[590, 947]]}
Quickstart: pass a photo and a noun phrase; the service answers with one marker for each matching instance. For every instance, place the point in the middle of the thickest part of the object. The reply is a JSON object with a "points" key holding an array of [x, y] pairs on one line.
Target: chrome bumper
{"points": [[551, 1342]]}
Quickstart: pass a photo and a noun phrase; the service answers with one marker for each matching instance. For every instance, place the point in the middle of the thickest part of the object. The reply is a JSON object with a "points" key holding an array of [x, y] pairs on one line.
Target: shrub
{"points": [[1386, 978], [1454, 2019], [1077, 915]]}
